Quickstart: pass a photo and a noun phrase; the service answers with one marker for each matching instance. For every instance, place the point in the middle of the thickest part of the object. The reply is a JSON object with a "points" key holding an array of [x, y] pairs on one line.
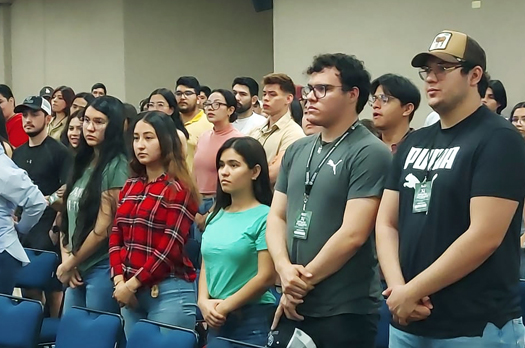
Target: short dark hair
{"points": [[352, 74], [500, 95], [284, 81], [190, 82], [483, 83], [252, 85], [230, 101], [206, 90], [88, 97], [296, 111], [399, 87], [99, 85], [6, 92]]}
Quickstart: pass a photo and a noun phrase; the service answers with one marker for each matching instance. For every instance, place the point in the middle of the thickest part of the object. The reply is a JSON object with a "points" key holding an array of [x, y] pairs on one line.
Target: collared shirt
{"points": [[196, 127], [393, 147], [152, 225], [16, 189], [278, 137], [55, 131]]}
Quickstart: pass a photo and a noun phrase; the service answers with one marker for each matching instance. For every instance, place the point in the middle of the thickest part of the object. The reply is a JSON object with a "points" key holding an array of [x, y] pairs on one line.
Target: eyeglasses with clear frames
{"points": [[440, 71], [383, 98], [97, 122], [319, 90]]}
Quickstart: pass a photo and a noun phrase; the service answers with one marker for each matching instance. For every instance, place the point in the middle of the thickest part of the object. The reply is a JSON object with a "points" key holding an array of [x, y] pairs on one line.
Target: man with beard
{"points": [[246, 90], [46, 161], [187, 93]]}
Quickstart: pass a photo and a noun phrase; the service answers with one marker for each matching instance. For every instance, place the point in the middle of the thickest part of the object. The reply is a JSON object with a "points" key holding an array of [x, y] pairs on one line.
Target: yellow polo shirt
{"points": [[198, 125], [277, 138]]}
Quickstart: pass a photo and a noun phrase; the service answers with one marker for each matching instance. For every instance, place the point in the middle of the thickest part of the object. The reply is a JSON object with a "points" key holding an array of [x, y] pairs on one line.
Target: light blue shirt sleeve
{"points": [[16, 187]]}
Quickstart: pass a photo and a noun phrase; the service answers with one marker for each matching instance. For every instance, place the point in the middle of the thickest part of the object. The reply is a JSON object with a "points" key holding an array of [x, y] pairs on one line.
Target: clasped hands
{"points": [[123, 293], [405, 305], [296, 283]]}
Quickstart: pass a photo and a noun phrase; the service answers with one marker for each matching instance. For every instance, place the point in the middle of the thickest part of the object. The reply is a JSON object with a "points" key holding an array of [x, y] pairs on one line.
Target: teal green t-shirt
{"points": [[229, 248], [114, 176]]}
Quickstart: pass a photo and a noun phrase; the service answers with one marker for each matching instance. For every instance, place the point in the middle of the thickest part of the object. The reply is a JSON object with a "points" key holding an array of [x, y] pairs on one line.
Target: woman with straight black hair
{"points": [[61, 102], [153, 276], [162, 99], [237, 269], [99, 172]]}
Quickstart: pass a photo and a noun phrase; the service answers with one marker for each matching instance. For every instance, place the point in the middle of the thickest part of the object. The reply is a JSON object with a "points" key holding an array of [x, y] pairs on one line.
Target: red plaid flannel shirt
{"points": [[151, 227]]}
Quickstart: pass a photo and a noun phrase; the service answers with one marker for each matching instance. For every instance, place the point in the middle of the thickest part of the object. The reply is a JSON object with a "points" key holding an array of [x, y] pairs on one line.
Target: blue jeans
{"points": [[9, 268], [512, 335], [249, 324], [96, 293], [176, 305], [205, 207]]}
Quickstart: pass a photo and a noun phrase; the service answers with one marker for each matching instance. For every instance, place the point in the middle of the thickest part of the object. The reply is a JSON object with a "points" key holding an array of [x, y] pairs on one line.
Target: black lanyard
{"points": [[310, 178]]}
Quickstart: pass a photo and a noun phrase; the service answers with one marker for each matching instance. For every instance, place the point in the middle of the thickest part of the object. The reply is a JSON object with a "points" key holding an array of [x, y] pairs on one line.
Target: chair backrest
{"points": [[39, 272], [229, 343], [82, 327], [20, 321], [384, 326], [147, 333]]}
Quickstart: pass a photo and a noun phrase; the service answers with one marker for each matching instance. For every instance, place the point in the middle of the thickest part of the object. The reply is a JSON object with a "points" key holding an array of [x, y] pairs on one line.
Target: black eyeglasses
{"points": [[186, 93], [440, 71], [319, 90], [213, 106]]}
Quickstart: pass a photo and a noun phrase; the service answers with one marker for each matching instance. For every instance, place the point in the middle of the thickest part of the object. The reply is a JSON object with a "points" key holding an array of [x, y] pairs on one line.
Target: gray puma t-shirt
{"points": [[356, 169]]}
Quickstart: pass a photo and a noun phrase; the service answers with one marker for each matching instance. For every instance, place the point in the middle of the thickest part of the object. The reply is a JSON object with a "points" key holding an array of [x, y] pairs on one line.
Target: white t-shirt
{"points": [[246, 125], [432, 118]]}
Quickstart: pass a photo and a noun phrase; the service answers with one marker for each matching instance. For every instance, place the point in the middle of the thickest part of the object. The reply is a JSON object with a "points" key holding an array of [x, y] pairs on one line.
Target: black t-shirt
{"points": [[481, 156], [48, 167]]}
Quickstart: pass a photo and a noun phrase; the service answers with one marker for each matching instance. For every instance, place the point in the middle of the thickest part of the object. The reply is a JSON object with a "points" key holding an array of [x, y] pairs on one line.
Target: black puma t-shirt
{"points": [[482, 155], [48, 166]]}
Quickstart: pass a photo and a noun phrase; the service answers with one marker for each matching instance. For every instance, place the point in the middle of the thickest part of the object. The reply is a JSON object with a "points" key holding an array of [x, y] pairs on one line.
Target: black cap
{"points": [[34, 103], [46, 92]]}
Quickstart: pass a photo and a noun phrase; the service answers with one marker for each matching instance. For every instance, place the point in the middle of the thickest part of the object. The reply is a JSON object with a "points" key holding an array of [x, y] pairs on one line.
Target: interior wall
{"points": [[5, 44], [215, 41], [67, 42], [386, 35]]}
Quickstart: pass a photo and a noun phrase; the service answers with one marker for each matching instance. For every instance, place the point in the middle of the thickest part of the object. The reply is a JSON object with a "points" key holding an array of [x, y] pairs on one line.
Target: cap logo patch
{"points": [[440, 41], [28, 100]]}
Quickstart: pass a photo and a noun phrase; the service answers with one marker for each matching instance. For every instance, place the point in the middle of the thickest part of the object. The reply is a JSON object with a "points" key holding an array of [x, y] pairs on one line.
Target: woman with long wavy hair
{"points": [[99, 172], [152, 274]]}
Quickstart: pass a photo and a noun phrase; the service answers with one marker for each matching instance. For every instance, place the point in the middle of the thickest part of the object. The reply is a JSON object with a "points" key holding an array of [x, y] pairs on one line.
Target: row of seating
{"points": [[38, 274]]}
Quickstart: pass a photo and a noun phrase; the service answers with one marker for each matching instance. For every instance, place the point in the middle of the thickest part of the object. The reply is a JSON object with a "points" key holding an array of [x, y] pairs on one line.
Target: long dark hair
{"points": [[172, 102], [171, 151], [63, 137], [68, 95], [110, 149], [253, 154]]}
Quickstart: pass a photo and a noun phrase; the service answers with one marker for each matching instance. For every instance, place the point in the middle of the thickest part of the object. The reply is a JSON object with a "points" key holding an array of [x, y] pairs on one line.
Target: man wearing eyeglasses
{"points": [[394, 101], [323, 212], [187, 93], [448, 226]]}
